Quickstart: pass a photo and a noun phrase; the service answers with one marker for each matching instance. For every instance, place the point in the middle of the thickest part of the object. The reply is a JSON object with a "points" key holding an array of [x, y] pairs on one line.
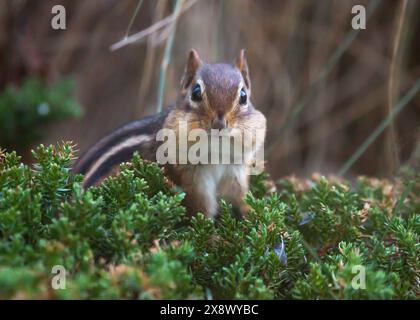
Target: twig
{"points": [[153, 28], [164, 34]]}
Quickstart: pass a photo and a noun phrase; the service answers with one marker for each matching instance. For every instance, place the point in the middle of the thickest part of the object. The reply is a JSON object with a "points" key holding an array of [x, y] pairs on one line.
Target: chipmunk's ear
{"points": [[193, 63], [242, 65]]}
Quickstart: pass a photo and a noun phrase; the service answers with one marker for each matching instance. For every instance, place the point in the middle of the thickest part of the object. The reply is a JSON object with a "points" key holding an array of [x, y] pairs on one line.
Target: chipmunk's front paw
{"points": [[244, 209]]}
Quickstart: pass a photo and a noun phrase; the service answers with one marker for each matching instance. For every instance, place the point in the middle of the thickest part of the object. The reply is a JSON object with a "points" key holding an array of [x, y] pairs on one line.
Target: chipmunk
{"points": [[212, 97]]}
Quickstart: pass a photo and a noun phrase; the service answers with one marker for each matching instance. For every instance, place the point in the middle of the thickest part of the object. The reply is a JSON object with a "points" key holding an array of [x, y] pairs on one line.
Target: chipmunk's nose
{"points": [[219, 122]]}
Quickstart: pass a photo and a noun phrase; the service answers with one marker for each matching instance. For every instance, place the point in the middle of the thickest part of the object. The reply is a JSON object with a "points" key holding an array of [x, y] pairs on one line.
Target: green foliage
{"points": [[130, 237], [25, 111]]}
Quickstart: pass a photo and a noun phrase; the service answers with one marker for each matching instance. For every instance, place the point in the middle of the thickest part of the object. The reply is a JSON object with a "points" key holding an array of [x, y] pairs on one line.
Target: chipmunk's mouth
{"points": [[224, 133], [219, 123]]}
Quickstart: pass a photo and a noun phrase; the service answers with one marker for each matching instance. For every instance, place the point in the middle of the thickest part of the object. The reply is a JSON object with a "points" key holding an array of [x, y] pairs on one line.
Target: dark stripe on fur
{"points": [[147, 126], [124, 155]]}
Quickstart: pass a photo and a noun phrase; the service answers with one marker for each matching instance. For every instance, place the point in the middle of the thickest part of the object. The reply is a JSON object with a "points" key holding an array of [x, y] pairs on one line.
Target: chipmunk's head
{"points": [[216, 94]]}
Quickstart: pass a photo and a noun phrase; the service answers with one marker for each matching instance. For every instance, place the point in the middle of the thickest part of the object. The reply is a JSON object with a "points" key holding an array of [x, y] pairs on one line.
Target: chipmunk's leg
{"points": [[199, 201], [201, 193], [234, 186]]}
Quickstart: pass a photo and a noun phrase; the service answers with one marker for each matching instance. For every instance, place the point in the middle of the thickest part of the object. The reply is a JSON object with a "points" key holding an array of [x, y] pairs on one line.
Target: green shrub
{"points": [[130, 237]]}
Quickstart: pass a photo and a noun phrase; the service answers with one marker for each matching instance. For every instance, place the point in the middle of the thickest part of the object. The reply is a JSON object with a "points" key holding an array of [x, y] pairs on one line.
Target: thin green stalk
{"points": [[391, 143], [167, 57], [382, 126], [408, 188], [136, 11], [309, 95]]}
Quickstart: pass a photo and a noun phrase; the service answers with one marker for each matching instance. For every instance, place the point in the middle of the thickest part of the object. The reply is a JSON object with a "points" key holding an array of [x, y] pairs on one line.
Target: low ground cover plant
{"points": [[130, 237]]}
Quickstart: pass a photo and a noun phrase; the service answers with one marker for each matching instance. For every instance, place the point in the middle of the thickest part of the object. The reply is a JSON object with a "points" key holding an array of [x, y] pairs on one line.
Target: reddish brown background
{"points": [[288, 44]]}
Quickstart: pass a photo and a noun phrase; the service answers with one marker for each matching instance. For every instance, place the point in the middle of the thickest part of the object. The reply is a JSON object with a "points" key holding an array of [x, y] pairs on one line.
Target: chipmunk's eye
{"points": [[242, 96], [196, 93]]}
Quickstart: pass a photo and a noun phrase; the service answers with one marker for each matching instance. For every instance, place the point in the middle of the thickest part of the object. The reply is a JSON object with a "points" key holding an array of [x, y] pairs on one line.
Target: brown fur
{"points": [[220, 98], [203, 183]]}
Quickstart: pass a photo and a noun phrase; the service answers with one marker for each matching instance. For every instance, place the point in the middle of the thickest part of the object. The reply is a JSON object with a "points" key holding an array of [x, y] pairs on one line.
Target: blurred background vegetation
{"points": [[323, 86]]}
